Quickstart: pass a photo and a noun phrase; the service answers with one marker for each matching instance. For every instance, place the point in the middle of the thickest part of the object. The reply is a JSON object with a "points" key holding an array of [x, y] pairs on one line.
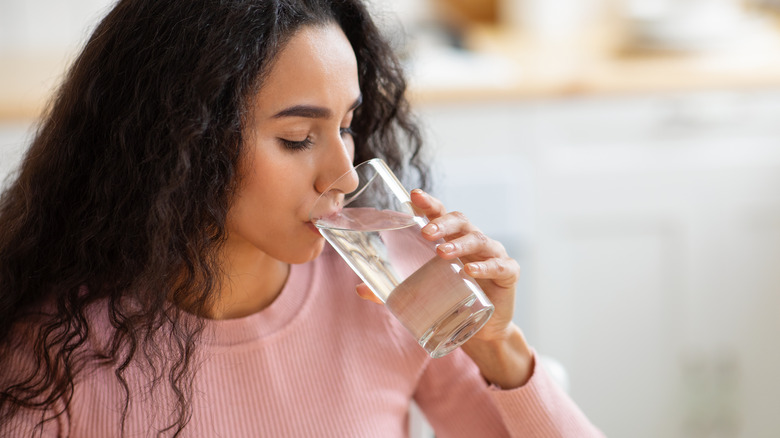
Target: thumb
{"points": [[365, 292]]}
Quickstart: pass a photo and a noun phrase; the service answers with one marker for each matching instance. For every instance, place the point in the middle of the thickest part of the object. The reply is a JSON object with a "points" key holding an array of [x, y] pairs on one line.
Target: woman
{"points": [[157, 272]]}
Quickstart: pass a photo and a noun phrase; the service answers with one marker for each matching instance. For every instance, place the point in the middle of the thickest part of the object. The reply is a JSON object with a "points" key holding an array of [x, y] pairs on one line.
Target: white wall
{"points": [[47, 25]]}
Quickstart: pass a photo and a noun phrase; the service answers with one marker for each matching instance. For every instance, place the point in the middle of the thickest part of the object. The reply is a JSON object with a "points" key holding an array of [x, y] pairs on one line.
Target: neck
{"points": [[250, 281]]}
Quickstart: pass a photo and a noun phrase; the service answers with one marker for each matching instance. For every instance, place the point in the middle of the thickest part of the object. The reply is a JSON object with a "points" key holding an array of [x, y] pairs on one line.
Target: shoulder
{"points": [[29, 358], [47, 334]]}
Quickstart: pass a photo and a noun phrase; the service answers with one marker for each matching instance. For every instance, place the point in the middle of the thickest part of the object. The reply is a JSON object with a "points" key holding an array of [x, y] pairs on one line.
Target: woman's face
{"points": [[298, 142]]}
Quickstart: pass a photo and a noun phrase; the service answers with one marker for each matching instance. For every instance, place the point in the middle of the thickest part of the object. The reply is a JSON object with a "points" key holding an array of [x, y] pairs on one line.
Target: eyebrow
{"points": [[312, 112]]}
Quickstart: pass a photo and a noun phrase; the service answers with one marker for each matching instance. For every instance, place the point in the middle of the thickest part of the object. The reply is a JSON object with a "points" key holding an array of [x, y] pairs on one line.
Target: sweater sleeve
{"points": [[458, 402]]}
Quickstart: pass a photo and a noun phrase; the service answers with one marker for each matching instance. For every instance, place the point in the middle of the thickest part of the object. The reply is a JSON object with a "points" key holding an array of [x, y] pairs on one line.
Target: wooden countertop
{"points": [[548, 69], [598, 65], [27, 81]]}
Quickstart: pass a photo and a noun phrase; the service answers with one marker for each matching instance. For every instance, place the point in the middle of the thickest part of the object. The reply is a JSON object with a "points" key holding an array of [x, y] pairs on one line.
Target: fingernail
{"points": [[475, 268], [447, 247], [418, 191], [431, 229]]}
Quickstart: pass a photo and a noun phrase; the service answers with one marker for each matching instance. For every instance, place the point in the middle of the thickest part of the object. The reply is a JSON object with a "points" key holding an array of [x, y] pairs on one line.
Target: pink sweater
{"points": [[321, 362]]}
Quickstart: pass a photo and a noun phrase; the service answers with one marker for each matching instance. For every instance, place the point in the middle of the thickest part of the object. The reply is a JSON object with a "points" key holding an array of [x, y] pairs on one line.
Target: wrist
{"points": [[506, 361]]}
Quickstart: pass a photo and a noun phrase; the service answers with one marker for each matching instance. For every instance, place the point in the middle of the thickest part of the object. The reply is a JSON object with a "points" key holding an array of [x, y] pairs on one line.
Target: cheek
{"points": [[261, 183], [249, 200]]}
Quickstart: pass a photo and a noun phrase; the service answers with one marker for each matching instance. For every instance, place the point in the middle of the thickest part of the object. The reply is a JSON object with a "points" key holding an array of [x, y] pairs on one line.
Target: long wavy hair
{"points": [[122, 197]]}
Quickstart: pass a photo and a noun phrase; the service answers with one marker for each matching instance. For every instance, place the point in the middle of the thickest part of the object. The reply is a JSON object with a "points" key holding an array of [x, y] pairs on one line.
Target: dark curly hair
{"points": [[122, 197]]}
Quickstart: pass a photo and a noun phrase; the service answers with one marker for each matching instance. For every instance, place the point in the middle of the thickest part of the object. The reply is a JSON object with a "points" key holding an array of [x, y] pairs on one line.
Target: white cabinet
{"points": [[648, 228], [14, 139]]}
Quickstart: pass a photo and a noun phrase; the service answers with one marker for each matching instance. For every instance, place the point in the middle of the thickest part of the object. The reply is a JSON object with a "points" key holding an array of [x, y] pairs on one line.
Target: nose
{"points": [[337, 172]]}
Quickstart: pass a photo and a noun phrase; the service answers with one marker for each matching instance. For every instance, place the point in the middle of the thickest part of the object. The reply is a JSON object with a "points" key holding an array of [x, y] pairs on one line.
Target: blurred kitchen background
{"points": [[626, 152]]}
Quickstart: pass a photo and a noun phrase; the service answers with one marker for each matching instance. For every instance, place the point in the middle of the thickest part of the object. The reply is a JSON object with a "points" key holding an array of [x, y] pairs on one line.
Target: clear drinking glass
{"points": [[377, 232]]}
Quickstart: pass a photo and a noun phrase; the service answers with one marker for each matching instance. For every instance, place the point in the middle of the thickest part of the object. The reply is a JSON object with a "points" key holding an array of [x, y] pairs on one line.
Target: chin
{"points": [[308, 254]]}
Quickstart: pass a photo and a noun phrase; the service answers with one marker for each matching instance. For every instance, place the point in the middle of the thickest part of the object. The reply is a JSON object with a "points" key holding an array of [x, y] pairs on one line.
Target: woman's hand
{"points": [[483, 258], [499, 348]]}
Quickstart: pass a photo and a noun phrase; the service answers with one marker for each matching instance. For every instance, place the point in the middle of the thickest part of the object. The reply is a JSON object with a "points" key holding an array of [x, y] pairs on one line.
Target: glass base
{"points": [[456, 327]]}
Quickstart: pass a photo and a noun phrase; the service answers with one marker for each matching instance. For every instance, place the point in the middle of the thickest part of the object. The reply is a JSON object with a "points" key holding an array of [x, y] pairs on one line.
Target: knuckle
{"points": [[459, 216], [515, 267], [481, 237]]}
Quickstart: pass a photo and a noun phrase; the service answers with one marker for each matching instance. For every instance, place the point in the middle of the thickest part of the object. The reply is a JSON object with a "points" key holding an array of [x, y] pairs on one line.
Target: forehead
{"points": [[317, 66]]}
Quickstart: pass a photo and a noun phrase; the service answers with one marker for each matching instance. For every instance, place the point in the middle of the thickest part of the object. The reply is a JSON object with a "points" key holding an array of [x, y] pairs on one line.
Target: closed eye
{"points": [[297, 145], [346, 131], [307, 143]]}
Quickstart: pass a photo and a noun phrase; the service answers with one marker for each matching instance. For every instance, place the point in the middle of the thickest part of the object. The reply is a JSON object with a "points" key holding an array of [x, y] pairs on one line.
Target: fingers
{"points": [[463, 237], [483, 257], [503, 271], [427, 204], [475, 243], [441, 223], [365, 292], [448, 226]]}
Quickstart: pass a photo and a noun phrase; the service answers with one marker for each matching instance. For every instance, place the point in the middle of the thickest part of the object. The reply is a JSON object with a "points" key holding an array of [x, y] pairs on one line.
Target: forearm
{"points": [[507, 362]]}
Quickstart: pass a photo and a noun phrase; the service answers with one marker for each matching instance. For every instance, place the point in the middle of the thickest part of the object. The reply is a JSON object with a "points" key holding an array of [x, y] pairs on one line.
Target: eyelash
{"points": [[297, 145], [307, 143]]}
